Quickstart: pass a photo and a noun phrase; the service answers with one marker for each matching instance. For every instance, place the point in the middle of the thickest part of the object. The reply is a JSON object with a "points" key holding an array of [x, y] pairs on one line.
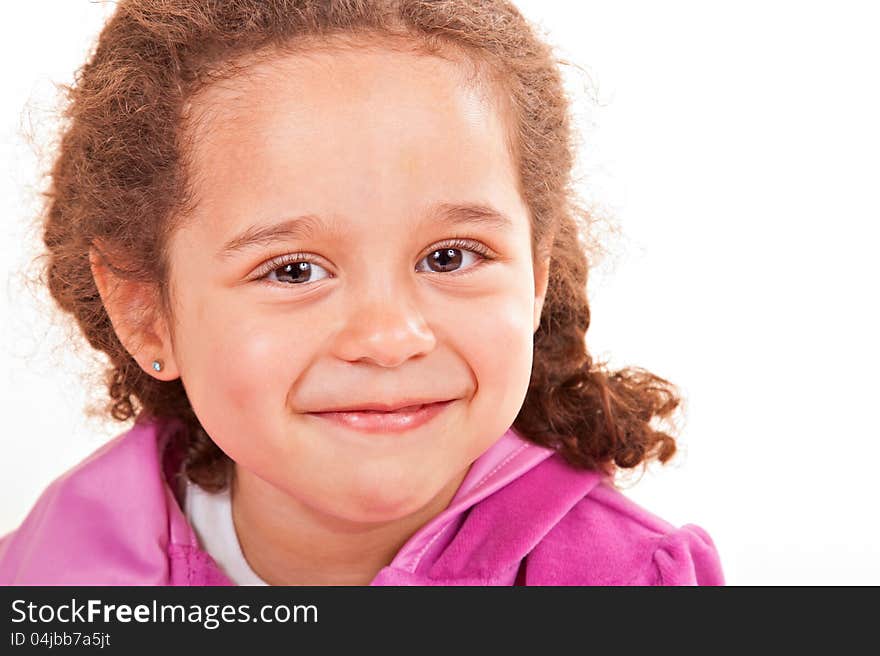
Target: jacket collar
{"points": [[497, 534]]}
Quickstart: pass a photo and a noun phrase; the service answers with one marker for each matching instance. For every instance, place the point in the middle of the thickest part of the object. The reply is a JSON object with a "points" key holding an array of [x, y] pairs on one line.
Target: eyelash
{"points": [[283, 260]]}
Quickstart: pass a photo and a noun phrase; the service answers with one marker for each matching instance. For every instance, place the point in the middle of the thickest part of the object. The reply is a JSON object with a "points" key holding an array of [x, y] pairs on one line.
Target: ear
{"points": [[542, 274], [134, 313]]}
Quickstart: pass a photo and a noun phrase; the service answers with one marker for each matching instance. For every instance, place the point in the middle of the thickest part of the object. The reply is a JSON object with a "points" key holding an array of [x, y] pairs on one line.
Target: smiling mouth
{"points": [[382, 421], [409, 408], [383, 407]]}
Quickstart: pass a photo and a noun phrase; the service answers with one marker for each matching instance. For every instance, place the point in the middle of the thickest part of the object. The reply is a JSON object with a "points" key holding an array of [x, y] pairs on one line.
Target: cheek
{"points": [[239, 371], [499, 344], [250, 367]]}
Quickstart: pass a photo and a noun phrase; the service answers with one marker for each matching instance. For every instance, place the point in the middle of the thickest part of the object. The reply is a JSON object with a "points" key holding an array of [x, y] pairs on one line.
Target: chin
{"points": [[388, 505], [382, 492], [374, 511]]}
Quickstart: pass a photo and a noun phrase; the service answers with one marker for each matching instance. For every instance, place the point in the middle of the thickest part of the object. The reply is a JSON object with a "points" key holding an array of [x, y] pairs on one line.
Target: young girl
{"points": [[332, 251]]}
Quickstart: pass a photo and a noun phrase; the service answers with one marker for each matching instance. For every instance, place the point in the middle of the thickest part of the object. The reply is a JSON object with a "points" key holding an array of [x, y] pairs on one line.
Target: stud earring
{"points": [[157, 365]]}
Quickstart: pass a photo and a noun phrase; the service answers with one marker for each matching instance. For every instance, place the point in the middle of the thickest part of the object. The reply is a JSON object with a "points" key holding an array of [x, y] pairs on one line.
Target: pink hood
{"points": [[521, 516]]}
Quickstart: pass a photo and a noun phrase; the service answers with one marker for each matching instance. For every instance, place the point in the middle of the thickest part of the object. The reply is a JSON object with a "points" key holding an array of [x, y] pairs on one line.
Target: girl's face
{"points": [[353, 163]]}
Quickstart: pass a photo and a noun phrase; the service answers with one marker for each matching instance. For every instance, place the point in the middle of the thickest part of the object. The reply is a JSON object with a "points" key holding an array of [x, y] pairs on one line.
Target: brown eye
{"points": [[451, 259], [446, 259], [294, 273], [298, 269]]}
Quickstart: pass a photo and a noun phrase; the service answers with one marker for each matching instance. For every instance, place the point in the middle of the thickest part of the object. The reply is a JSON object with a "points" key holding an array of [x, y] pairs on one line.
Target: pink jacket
{"points": [[522, 516]]}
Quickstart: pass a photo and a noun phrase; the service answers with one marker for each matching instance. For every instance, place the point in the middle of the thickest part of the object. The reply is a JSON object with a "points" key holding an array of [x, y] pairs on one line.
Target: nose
{"points": [[384, 325]]}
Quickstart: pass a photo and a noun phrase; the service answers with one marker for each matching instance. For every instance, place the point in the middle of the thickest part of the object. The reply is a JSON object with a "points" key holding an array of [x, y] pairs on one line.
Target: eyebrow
{"points": [[303, 227]]}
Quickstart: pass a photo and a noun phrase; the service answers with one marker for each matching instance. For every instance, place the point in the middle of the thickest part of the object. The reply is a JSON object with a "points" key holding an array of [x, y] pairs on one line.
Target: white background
{"points": [[737, 147]]}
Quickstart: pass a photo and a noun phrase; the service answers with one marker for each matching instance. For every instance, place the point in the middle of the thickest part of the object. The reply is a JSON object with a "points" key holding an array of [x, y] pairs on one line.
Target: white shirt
{"points": [[210, 515]]}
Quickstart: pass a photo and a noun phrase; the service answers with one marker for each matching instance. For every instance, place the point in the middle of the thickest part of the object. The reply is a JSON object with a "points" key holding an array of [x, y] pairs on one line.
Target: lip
{"points": [[399, 421], [406, 404]]}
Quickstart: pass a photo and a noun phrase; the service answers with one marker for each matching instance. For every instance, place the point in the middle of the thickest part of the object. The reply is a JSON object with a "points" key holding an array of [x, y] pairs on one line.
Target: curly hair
{"points": [[119, 180]]}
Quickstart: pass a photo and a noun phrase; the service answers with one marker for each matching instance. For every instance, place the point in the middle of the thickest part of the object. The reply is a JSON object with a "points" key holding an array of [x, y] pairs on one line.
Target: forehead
{"points": [[345, 133]]}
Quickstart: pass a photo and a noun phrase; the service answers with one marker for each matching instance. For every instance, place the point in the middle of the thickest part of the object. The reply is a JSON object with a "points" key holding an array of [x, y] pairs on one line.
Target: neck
{"points": [[287, 542]]}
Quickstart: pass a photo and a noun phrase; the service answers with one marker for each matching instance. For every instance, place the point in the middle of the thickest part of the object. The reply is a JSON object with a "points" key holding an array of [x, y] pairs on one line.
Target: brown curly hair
{"points": [[119, 181]]}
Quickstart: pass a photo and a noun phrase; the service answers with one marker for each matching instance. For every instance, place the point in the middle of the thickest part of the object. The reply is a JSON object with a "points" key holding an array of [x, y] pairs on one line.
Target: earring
{"points": [[157, 365]]}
